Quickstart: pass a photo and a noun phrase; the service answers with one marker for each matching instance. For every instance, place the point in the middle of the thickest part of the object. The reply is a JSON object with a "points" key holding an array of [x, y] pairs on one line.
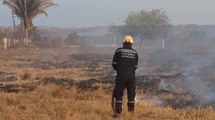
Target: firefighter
{"points": [[125, 62]]}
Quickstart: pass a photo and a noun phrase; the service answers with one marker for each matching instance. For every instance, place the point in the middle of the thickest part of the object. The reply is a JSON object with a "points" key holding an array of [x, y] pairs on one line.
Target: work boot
{"points": [[116, 116], [118, 108], [130, 107]]}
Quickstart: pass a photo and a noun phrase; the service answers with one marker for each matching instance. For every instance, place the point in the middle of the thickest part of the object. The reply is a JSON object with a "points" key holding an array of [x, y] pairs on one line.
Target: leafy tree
{"points": [[27, 10], [35, 35], [146, 24]]}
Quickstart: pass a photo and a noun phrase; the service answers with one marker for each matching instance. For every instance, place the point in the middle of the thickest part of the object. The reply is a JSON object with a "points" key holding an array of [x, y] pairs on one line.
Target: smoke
{"points": [[196, 65], [198, 77]]}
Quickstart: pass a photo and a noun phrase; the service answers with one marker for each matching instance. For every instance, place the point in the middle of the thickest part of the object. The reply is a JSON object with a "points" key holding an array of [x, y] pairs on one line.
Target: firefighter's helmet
{"points": [[129, 39]]}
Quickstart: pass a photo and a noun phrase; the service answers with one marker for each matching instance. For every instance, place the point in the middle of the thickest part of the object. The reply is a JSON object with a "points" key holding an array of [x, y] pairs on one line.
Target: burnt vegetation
{"points": [[75, 68]]}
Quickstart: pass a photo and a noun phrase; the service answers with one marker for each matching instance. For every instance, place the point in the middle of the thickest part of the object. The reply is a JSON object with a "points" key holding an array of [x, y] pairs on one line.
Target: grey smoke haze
{"points": [[191, 70], [198, 79], [197, 68], [81, 13]]}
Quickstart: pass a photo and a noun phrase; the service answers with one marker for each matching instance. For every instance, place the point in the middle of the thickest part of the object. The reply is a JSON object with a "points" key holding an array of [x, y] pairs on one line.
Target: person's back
{"points": [[126, 59], [125, 62]]}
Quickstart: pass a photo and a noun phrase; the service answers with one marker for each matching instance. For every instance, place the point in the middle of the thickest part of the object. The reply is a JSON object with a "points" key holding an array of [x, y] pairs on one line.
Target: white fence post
{"points": [[163, 43], [14, 42], [62, 41], [5, 43], [9, 43]]}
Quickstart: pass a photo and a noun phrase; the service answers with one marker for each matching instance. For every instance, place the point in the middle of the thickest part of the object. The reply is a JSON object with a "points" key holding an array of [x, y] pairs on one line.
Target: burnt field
{"points": [[165, 78]]}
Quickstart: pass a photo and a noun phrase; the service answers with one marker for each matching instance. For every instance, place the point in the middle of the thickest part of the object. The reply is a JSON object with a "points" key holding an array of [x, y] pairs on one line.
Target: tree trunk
{"points": [[142, 38], [114, 39], [14, 23], [26, 21], [141, 43], [26, 35]]}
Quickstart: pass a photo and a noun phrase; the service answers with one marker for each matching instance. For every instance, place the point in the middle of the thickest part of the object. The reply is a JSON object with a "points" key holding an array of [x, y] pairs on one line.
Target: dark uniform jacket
{"points": [[125, 62]]}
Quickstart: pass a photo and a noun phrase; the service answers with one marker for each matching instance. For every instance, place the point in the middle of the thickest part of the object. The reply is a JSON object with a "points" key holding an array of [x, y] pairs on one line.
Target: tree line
{"points": [[143, 24]]}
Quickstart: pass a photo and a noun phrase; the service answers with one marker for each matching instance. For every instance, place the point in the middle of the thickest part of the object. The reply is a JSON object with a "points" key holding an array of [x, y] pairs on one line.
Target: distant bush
{"points": [[74, 39], [4, 33]]}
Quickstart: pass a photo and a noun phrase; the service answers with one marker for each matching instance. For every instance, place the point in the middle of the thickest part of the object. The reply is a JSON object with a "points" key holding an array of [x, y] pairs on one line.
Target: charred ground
{"points": [[164, 79]]}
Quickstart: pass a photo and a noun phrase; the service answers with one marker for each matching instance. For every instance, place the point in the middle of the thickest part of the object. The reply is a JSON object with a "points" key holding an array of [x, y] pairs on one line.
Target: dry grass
{"points": [[58, 102], [52, 102]]}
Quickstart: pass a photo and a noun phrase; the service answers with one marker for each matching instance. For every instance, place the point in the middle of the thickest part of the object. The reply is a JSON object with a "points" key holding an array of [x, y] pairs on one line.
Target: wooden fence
{"points": [[9, 43]]}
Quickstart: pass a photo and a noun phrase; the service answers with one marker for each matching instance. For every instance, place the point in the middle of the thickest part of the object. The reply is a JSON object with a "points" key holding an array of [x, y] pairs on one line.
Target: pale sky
{"points": [[85, 13]]}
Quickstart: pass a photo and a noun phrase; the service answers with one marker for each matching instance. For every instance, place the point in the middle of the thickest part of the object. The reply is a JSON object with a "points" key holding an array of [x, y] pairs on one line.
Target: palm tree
{"points": [[27, 10], [14, 22]]}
